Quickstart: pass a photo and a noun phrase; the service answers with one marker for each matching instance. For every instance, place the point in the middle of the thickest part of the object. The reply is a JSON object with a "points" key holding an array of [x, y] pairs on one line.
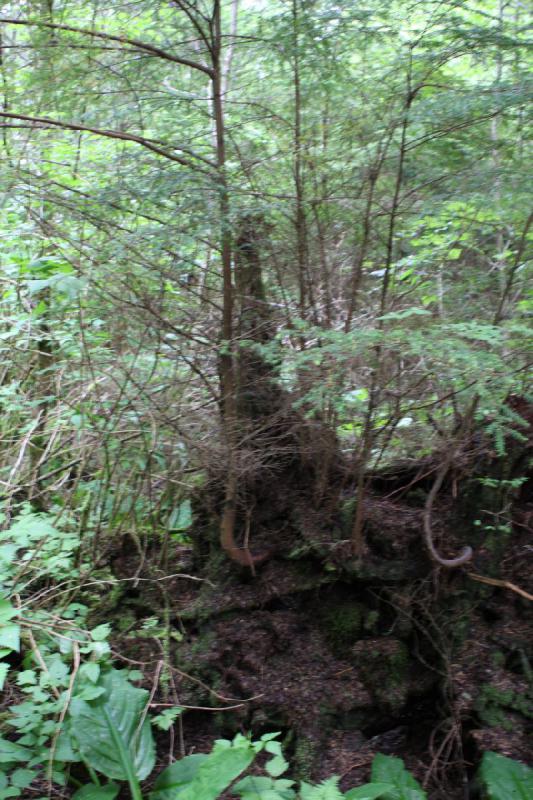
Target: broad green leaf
{"points": [[388, 769], [93, 792], [66, 745], [91, 671], [214, 774], [505, 779], [67, 284], [23, 777], [100, 633], [10, 636], [11, 751], [109, 732], [177, 776], [90, 692], [7, 611], [370, 791], [10, 791], [27, 677], [8, 552], [276, 766], [57, 673], [181, 517]]}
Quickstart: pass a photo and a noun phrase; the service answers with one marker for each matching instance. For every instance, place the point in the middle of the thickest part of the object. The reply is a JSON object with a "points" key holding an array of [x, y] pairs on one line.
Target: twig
{"points": [[206, 708], [502, 584]]}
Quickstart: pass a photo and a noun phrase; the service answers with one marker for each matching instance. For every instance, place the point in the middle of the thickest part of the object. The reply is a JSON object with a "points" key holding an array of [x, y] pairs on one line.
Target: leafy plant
{"points": [[505, 779], [200, 777], [112, 731], [9, 636]]}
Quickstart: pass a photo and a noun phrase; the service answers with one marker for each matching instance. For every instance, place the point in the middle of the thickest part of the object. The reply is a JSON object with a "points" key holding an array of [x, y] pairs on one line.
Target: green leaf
{"points": [[268, 737], [181, 517], [327, 790], [214, 774], [178, 776], [10, 751], [94, 792], [505, 779], [10, 791], [4, 669], [276, 766], [100, 633], [90, 692], [7, 611], [167, 718], [370, 791], [388, 769], [10, 636], [66, 284], [255, 787], [23, 777], [91, 671], [66, 745], [27, 677], [108, 732]]}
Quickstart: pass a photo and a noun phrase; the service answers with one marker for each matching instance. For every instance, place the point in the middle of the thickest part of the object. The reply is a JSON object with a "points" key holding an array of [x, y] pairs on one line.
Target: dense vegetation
{"points": [[265, 358]]}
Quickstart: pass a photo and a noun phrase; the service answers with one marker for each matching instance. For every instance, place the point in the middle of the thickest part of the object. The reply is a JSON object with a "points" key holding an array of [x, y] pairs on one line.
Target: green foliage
{"points": [[387, 769], [258, 787], [93, 792], [167, 718], [385, 148], [9, 636], [112, 732], [505, 779], [369, 791], [327, 790], [493, 704], [195, 778]]}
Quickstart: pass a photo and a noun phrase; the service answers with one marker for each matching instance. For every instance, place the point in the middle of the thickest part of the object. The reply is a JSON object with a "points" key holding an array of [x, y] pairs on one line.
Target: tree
{"points": [[362, 142]]}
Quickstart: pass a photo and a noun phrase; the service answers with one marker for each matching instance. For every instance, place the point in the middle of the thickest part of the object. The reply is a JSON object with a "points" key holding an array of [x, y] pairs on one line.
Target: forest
{"points": [[266, 412]]}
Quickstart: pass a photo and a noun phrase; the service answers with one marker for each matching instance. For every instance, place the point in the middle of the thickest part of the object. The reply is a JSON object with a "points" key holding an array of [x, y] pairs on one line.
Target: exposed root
{"points": [[449, 563]]}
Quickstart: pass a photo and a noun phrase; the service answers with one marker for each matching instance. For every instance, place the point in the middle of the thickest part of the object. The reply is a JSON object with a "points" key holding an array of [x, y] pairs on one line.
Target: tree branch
{"points": [[110, 134], [138, 45]]}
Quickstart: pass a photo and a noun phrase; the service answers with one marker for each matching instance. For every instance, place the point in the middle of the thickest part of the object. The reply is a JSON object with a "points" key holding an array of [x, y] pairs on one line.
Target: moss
{"points": [[347, 514], [498, 659], [304, 758], [492, 705], [342, 624], [126, 621], [383, 667]]}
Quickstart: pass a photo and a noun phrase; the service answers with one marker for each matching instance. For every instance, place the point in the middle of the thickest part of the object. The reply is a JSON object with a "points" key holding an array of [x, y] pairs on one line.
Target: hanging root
{"points": [[241, 555], [449, 563]]}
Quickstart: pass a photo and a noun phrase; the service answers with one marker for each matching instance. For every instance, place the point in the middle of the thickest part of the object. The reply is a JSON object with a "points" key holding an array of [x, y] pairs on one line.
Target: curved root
{"points": [[449, 563]]}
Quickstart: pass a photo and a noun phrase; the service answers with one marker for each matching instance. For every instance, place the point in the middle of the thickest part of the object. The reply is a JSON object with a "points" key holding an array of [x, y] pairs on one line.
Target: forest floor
{"points": [[350, 659]]}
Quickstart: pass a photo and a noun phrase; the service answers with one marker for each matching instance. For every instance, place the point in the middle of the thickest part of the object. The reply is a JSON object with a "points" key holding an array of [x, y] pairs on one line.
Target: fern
{"points": [[327, 790]]}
